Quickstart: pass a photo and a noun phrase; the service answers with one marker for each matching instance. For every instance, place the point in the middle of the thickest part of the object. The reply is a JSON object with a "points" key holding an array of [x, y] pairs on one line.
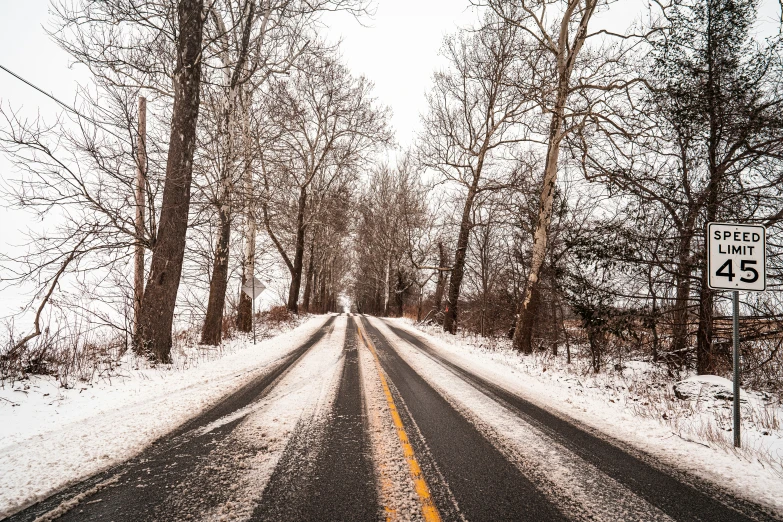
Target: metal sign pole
{"points": [[735, 299], [253, 308]]}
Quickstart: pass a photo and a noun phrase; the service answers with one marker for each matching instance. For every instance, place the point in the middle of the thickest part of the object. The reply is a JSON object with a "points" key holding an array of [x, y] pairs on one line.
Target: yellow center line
{"points": [[387, 487], [428, 508]]}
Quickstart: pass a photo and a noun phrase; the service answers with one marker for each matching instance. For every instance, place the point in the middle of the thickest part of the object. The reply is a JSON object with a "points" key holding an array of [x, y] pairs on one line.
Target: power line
{"points": [[59, 102]]}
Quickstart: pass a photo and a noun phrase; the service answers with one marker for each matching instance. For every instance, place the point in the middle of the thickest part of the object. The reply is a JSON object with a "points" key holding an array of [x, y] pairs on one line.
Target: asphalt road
{"points": [[468, 475], [680, 497], [327, 473], [337, 482], [168, 462]]}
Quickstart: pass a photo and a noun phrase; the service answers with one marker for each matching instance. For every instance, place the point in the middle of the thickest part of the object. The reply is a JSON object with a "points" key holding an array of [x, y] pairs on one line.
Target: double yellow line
{"points": [[428, 509]]}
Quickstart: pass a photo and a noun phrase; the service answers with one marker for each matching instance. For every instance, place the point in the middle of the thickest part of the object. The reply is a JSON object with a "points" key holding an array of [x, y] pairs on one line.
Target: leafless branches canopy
{"points": [[556, 193]]}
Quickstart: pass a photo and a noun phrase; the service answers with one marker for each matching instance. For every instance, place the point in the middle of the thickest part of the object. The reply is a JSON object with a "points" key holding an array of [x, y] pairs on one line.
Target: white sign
{"points": [[253, 288], [736, 257]]}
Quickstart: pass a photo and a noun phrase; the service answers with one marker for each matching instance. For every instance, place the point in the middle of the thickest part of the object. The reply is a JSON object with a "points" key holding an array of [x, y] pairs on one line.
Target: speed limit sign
{"points": [[736, 257]]}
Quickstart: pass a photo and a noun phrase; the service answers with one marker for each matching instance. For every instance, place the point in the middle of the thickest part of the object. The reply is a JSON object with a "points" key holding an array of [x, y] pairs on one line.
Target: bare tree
{"points": [[233, 68], [392, 216], [160, 293], [700, 146], [79, 176], [563, 43], [475, 111], [323, 125]]}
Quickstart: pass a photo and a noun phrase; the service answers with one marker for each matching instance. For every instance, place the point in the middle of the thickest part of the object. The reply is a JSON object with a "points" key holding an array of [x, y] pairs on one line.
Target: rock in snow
{"points": [[706, 387]]}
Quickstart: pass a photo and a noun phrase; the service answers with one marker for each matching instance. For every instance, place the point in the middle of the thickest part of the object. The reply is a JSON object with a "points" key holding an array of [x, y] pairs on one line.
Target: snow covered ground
{"points": [[51, 436], [635, 406]]}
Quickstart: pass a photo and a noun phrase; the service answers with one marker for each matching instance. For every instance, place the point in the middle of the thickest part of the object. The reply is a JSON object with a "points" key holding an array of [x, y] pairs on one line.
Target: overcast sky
{"points": [[396, 49]]}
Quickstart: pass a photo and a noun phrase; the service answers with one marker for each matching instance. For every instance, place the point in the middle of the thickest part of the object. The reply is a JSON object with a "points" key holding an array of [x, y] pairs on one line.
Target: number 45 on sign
{"points": [[736, 257]]}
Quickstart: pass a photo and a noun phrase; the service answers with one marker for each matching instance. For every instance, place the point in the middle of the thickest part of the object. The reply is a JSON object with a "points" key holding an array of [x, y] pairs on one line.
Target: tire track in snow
{"points": [[326, 472], [484, 484], [290, 418], [680, 497], [145, 480], [567, 480]]}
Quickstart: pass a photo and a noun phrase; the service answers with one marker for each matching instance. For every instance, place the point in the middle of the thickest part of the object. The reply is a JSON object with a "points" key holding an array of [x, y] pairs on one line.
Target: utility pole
{"points": [[141, 176], [253, 302]]}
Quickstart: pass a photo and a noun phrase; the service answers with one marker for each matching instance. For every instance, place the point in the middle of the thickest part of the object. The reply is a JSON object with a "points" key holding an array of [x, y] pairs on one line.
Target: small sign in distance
{"points": [[253, 288]]}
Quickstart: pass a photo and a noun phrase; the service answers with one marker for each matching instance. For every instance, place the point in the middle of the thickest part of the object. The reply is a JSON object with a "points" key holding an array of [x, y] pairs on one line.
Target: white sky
{"points": [[398, 51]]}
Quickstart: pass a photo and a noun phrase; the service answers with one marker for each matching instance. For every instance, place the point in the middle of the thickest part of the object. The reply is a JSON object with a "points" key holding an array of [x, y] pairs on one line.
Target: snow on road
{"points": [[745, 478], [295, 411], [51, 437], [396, 490], [560, 474]]}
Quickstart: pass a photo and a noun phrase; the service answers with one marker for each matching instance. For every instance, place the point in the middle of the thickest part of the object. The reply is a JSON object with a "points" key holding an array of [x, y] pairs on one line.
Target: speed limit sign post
{"points": [[736, 260]]}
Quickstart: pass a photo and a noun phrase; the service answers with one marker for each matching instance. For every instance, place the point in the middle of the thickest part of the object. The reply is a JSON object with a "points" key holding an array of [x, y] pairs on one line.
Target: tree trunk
{"points": [[440, 287], [523, 334], [323, 298], [141, 183], [399, 293], [386, 286], [296, 272], [567, 53], [213, 322], [212, 332], [681, 301], [308, 279], [458, 270], [555, 330], [332, 294], [704, 334], [316, 297], [160, 294], [654, 328], [245, 310], [524, 328]]}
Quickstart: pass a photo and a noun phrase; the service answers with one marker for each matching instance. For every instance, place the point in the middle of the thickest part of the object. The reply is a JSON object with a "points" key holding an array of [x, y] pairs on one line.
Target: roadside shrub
{"points": [[277, 315], [69, 354]]}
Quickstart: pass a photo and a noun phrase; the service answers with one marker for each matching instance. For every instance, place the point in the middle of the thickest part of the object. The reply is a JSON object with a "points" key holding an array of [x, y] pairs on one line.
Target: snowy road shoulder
{"points": [[55, 437], [748, 480]]}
